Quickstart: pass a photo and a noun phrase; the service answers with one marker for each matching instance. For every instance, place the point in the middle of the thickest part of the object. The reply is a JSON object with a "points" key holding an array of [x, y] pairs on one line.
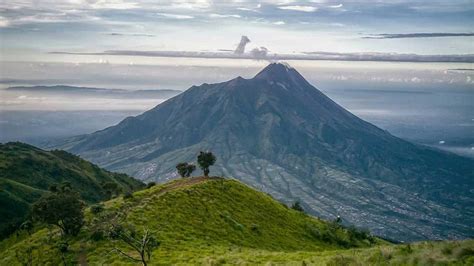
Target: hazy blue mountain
{"points": [[283, 136]]}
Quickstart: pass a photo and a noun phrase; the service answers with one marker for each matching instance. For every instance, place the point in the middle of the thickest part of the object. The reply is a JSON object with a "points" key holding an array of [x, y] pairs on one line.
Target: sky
{"points": [[174, 44], [31, 29]]}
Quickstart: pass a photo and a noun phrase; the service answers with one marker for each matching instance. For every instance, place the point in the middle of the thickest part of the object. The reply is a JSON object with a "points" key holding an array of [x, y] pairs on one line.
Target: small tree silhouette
{"points": [[185, 169], [206, 159], [191, 168]]}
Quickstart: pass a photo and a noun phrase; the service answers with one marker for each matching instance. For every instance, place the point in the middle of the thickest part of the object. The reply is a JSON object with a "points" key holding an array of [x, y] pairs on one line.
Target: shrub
{"points": [[62, 208], [406, 249], [464, 253], [359, 234], [97, 235], [27, 226], [111, 189], [185, 169], [255, 228], [151, 184], [128, 195], [297, 207], [97, 208], [447, 250]]}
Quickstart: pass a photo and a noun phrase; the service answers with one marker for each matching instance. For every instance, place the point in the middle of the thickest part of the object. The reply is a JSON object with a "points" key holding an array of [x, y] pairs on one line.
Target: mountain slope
{"points": [[281, 135], [26, 172], [196, 216], [214, 221]]}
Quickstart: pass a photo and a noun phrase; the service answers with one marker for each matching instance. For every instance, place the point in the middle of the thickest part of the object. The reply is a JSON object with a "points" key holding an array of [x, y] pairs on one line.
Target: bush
{"points": [[185, 169], [63, 246], [464, 253], [151, 184], [97, 208], [62, 208], [297, 207], [359, 234], [255, 228], [97, 235], [406, 249], [128, 195], [447, 250]]}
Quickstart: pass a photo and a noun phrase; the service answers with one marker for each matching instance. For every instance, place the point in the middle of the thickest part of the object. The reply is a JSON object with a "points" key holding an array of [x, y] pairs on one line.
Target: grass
{"points": [[26, 172], [215, 221]]}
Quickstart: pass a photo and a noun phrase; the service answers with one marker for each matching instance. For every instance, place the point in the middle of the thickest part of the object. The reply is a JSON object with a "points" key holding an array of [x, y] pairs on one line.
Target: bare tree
{"points": [[143, 245]]}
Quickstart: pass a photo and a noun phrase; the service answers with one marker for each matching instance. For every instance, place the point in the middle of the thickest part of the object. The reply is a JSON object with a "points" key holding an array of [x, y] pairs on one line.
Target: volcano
{"points": [[279, 134]]}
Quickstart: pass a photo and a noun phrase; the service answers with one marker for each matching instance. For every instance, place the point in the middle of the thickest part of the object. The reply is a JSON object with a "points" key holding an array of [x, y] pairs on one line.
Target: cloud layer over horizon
{"points": [[30, 29]]}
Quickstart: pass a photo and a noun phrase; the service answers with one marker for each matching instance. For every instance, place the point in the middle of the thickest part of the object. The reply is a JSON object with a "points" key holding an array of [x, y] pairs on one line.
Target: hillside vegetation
{"points": [[194, 216], [26, 172], [216, 221]]}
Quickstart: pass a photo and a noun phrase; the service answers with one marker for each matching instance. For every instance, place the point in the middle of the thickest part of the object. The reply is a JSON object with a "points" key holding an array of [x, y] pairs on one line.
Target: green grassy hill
{"points": [[214, 221], [26, 172]]}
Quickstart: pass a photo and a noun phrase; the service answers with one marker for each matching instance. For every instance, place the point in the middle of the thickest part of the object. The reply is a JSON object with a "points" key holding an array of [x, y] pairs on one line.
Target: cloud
{"points": [[279, 23], [130, 34], [21, 16], [112, 4], [175, 16], [336, 6], [418, 35], [214, 15], [259, 53], [299, 8], [4, 22], [248, 9], [256, 54]]}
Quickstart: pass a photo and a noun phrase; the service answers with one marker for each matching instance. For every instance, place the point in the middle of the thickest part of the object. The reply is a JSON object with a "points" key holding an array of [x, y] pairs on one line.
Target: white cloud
{"points": [[189, 5], [4, 22], [279, 23], [113, 4], [175, 16], [247, 9], [48, 17], [224, 16], [299, 8], [336, 6]]}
